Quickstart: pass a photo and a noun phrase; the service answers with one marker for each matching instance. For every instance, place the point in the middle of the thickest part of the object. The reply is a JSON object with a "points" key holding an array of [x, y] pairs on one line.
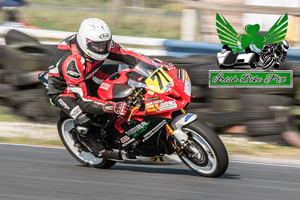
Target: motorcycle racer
{"points": [[75, 69], [271, 54]]}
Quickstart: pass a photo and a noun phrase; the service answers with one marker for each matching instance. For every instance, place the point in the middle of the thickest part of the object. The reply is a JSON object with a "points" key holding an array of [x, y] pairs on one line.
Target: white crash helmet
{"points": [[94, 38]]}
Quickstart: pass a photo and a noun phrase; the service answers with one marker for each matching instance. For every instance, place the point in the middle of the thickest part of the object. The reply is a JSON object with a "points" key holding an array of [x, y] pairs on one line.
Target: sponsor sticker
{"points": [[154, 102], [152, 108], [187, 87], [125, 139], [135, 131], [157, 159], [187, 76], [150, 92], [168, 105], [179, 74], [128, 142], [105, 86], [168, 86], [63, 104], [188, 117], [154, 130], [104, 36], [153, 98]]}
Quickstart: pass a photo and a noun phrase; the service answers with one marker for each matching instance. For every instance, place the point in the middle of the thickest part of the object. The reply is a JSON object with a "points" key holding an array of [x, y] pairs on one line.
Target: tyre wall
{"points": [[268, 114]]}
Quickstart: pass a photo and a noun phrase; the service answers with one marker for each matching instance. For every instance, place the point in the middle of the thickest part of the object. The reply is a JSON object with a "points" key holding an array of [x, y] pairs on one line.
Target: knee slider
{"points": [[80, 118], [82, 130]]}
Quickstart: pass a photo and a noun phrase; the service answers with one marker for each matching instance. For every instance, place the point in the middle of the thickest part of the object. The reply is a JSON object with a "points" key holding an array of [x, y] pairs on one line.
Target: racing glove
{"points": [[119, 108]]}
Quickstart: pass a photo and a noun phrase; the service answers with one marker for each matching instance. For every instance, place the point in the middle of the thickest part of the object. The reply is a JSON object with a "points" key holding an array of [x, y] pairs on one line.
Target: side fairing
{"points": [[145, 133]]}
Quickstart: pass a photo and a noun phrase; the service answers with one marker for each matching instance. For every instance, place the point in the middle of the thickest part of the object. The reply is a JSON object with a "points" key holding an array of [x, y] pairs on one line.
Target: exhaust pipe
{"points": [[110, 154]]}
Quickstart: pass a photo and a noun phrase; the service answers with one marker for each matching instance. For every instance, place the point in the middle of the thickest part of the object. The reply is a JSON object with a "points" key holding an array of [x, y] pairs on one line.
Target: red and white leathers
{"points": [[72, 75]]}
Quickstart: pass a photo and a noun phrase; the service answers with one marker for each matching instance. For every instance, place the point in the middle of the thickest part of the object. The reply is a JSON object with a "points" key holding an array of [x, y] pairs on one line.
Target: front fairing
{"points": [[160, 80], [165, 90], [177, 97]]}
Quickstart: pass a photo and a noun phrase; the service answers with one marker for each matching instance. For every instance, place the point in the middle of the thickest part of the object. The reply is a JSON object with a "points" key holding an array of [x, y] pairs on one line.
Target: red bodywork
{"points": [[158, 104]]}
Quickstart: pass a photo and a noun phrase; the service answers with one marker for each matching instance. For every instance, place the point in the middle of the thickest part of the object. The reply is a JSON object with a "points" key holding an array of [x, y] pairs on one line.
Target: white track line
{"points": [[266, 164]]}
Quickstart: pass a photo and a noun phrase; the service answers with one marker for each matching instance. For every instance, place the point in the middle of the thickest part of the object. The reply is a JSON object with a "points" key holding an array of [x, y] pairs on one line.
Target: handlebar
{"points": [[136, 99]]}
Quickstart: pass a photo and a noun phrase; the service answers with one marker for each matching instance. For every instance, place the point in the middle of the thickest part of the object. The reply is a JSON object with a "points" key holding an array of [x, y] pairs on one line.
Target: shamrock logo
{"points": [[229, 36], [247, 40]]}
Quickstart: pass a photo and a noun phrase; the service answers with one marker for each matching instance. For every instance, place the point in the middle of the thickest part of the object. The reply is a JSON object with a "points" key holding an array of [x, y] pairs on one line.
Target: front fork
{"points": [[175, 128], [169, 128]]}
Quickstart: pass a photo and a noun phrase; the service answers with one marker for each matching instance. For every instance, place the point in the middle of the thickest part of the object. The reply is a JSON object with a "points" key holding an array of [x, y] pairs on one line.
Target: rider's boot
{"points": [[89, 140]]}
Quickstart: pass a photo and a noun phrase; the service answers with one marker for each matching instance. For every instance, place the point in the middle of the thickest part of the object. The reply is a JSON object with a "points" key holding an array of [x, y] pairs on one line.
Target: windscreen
{"points": [[150, 75]]}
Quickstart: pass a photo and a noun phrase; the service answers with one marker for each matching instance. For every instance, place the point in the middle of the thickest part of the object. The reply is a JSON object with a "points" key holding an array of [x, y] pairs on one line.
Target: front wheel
{"points": [[64, 126], [204, 152]]}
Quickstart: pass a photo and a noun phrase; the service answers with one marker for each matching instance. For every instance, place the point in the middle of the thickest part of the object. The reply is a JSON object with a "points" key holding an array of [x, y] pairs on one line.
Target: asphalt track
{"points": [[36, 173]]}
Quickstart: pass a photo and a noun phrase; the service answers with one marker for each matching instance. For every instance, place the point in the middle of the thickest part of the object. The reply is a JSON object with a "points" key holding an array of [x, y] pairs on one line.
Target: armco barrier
{"points": [[178, 48], [147, 46]]}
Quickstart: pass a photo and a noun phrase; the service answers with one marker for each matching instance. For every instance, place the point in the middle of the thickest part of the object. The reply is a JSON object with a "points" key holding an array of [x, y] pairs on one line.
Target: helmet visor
{"points": [[98, 47]]}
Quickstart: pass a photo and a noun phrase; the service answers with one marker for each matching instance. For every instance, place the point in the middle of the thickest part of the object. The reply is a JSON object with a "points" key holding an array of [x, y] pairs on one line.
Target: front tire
{"points": [[65, 124], [210, 158]]}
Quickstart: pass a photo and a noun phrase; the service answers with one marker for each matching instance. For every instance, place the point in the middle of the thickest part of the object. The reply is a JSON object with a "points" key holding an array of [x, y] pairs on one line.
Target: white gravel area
{"points": [[28, 129]]}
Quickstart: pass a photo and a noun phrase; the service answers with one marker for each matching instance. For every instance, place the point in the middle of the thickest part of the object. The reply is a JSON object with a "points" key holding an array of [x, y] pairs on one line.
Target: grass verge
{"points": [[31, 141], [246, 146], [5, 116], [129, 24]]}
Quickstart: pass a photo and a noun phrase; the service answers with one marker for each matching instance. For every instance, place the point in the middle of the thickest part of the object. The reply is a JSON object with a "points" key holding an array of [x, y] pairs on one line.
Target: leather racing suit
{"points": [[74, 78]]}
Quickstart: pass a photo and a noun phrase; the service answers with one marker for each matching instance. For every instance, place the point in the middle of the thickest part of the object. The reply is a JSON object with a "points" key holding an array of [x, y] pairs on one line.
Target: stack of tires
{"points": [[225, 107], [23, 58], [265, 115], [292, 137], [271, 115], [265, 112]]}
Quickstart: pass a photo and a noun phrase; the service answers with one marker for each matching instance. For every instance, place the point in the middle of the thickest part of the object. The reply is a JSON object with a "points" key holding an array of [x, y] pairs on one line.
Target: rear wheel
{"points": [[204, 153], [65, 125]]}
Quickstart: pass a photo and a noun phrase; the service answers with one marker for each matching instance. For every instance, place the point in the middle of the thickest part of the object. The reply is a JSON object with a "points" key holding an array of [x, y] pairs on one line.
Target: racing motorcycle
{"points": [[157, 129], [270, 57]]}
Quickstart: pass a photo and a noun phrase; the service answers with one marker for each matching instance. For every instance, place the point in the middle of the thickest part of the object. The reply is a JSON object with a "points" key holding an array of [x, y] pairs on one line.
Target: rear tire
{"points": [[212, 157], [65, 124]]}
